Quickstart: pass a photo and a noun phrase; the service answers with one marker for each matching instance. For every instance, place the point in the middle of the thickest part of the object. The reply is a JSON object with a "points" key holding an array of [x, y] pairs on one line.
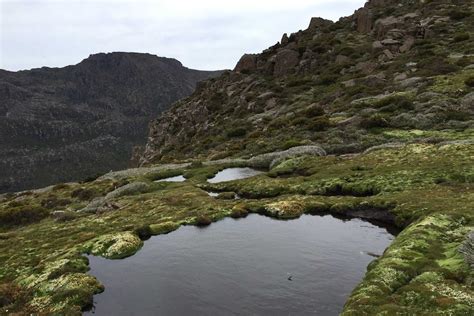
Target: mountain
{"points": [[63, 124], [394, 71]]}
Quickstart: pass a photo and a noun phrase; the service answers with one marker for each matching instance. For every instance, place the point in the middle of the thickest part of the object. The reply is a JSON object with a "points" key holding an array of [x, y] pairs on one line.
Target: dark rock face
{"points": [[63, 124]]}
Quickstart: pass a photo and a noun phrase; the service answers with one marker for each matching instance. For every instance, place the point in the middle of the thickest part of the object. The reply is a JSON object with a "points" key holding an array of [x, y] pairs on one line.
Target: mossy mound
{"points": [[114, 246]]}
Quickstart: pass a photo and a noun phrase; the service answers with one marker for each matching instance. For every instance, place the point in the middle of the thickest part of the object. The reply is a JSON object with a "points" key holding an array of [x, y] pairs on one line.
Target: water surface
{"points": [[173, 179], [251, 266], [230, 174]]}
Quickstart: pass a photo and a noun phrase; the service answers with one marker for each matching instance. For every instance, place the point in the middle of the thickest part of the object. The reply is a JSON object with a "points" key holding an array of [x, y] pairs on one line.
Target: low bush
{"points": [[236, 132], [374, 121], [203, 220], [22, 215], [461, 37], [84, 194], [469, 82]]}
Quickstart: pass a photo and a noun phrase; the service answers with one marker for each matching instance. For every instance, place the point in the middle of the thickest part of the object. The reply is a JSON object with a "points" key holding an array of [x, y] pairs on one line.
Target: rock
{"points": [[128, 189], [384, 146], [468, 100], [388, 54], [400, 77], [284, 39], [285, 62], [349, 83], [377, 45], [364, 20], [390, 41], [247, 63], [407, 44], [341, 59], [366, 67], [382, 26], [467, 249], [411, 82], [317, 23], [270, 159]]}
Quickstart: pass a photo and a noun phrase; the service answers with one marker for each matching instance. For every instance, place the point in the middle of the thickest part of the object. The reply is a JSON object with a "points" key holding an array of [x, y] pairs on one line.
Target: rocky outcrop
{"points": [[362, 72], [64, 124]]}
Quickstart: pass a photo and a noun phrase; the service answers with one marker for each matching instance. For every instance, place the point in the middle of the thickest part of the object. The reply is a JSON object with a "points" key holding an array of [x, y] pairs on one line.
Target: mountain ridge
{"points": [[69, 123]]}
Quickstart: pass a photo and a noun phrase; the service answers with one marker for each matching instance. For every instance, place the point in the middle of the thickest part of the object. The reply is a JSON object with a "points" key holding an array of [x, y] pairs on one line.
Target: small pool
{"points": [[230, 174], [173, 179], [251, 266]]}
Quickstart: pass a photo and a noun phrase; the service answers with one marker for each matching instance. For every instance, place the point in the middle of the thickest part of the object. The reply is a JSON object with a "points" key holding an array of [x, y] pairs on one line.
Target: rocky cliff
{"points": [[394, 71], [62, 124]]}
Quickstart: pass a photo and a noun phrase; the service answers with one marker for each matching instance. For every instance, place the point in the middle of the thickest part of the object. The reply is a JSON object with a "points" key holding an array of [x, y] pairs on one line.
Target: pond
{"points": [[230, 174], [173, 179], [255, 265]]}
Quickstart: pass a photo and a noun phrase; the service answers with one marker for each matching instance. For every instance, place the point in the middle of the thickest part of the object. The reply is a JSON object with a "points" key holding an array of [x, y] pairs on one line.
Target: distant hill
{"points": [[63, 124]]}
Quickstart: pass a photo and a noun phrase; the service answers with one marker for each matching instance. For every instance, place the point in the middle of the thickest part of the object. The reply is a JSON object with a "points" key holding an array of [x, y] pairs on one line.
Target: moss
{"points": [[163, 228], [114, 246], [284, 209]]}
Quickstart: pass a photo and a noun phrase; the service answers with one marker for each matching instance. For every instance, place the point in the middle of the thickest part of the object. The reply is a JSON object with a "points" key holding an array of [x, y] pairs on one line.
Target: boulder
{"points": [[364, 20], [317, 23], [407, 44], [285, 62], [382, 26], [247, 63], [284, 39]]}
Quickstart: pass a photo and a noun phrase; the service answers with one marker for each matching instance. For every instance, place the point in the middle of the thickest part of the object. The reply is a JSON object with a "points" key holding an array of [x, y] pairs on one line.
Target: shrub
{"points": [[461, 37], [314, 111], [60, 186], [84, 194], [469, 82], [203, 220], [436, 66], [22, 215], [143, 232], [53, 201], [290, 144], [457, 14], [236, 132], [374, 121], [319, 124]]}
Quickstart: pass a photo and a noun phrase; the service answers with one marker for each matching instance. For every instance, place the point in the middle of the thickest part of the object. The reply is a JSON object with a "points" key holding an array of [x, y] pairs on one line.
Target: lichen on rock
{"points": [[114, 246]]}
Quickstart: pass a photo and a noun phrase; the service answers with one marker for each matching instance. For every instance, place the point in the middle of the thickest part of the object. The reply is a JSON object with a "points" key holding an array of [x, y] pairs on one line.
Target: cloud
{"points": [[203, 34]]}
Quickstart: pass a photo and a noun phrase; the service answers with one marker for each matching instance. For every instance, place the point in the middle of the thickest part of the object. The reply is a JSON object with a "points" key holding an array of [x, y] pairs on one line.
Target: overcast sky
{"points": [[202, 34]]}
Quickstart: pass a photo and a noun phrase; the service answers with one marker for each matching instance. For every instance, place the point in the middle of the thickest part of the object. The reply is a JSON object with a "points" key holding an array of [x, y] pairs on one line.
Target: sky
{"points": [[202, 34]]}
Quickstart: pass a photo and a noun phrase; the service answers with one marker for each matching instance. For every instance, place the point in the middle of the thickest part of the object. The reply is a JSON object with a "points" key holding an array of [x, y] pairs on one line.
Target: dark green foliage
{"points": [[290, 144], [319, 124], [374, 121], [84, 194], [22, 215], [236, 132], [461, 37], [434, 66], [53, 202], [203, 220], [314, 111], [143, 232], [469, 82], [457, 14]]}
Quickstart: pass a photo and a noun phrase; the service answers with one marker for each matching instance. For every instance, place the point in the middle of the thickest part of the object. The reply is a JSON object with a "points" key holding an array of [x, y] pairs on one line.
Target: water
{"points": [[234, 174], [242, 267], [173, 179]]}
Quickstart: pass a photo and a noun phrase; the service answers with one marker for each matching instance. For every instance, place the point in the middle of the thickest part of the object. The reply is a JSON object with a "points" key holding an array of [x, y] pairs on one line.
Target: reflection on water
{"points": [[230, 174], [173, 179], [251, 266]]}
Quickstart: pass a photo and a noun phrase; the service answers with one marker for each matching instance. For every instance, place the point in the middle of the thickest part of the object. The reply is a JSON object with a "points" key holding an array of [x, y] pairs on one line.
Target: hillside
{"points": [[370, 117], [395, 71], [64, 124]]}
